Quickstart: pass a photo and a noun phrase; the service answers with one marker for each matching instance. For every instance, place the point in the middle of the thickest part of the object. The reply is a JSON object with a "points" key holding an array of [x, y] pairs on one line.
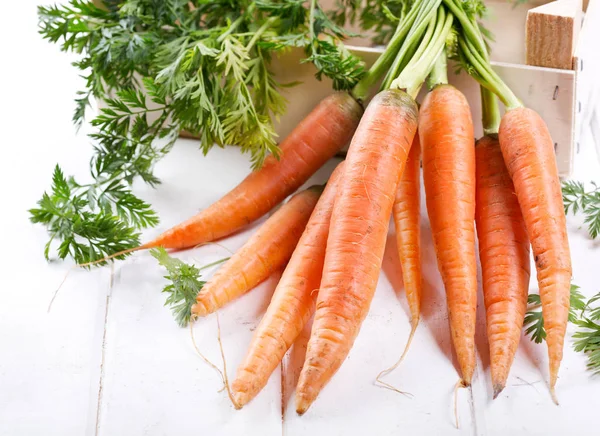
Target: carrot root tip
{"points": [[553, 395], [302, 404], [497, 389]]}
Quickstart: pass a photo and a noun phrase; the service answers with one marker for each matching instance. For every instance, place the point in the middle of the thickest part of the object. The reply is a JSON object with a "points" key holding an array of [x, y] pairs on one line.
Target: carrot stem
{"points": [[439, 72], [413, 41], [413, 76], [490, 112], [383, 63], [469, 26], [486, 76]]}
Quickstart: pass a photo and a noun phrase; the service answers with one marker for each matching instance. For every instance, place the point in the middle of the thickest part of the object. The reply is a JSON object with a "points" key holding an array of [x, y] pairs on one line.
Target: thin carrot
{"points": [[504, 255], [447, 138], [407, 216], [264, 253], [529, 155], [359, 225], [293, 302]]}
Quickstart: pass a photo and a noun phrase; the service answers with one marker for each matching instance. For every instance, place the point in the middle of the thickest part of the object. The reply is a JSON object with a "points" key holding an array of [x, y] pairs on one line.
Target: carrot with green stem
{"points": [[503, 247], [528, 153], [264, 253], [359, 222], [447, 138], [406, 215], [293, 302]]}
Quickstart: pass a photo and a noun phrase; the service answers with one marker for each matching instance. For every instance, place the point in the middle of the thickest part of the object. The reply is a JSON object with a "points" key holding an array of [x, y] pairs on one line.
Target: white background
{"points": [[109, 360]]}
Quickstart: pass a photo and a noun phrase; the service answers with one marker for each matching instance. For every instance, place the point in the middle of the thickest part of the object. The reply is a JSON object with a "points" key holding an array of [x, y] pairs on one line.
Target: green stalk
{"points": [[232, 28], [412, 77], [260, 32], [439, 72], [486, 76], [311, 19], [383, 62], [420, 49], [413, 41], [490, 112], [215, 263], [469, 28]]}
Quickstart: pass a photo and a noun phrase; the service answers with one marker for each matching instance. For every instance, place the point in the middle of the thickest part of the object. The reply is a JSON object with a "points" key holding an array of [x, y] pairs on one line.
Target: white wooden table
{"points": [[109, 359]]}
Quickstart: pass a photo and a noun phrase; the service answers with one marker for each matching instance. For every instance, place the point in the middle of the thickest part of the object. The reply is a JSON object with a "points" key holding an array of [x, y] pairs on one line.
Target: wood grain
{"points": [[551, 34]]}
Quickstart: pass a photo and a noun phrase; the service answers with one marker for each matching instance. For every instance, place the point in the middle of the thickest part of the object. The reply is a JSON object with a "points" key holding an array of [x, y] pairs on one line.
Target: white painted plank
{"points": [[49, 362], [154, 383], [587, 65]]}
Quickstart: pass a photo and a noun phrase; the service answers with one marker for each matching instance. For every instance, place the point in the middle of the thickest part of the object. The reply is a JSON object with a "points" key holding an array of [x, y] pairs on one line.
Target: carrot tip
{"points": [[497, 389], [302, 404], [553, 395]]}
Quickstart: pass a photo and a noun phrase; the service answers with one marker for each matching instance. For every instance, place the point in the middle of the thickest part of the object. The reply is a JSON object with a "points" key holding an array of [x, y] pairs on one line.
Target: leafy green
{"points": [[584, 314], [184, 284], [576, 199], [90, 233], [587, 337], [166, 66], [378, 17]]}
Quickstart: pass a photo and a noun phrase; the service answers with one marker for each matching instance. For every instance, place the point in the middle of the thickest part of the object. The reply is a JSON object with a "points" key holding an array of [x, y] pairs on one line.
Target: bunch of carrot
{"points": [[332, 239]]}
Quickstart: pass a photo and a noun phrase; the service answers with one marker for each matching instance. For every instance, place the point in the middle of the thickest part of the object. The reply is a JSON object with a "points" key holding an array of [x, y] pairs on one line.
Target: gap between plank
{"points": [[103, 352]]}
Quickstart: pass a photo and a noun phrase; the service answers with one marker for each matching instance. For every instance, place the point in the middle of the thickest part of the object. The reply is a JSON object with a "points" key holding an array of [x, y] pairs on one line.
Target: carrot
{"points": [[316, 139], [264, 253], [358, 230], [292, 304], [407, 216], [407, 207], [504, 255], [529, 155], [447, 138]]}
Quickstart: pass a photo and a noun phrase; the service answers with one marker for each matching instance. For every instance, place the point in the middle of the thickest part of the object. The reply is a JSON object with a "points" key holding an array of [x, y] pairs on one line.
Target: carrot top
{"points": [[430, 48]]}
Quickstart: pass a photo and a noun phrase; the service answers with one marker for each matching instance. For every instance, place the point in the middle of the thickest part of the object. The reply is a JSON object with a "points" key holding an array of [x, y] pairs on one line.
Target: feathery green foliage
{"points": [[166, 66]]}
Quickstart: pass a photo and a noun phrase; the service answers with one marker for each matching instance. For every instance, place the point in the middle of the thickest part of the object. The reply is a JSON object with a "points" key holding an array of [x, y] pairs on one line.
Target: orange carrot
{"points": [[292, 304], [316, 139], [407, 216], [504, 255], [359, 225], [447, 138], [264, 253], [529, 155]]}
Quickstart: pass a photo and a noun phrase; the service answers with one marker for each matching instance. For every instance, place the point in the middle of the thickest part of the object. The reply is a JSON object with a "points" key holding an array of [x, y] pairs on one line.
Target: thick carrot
{"points": [[358, 231], [504, 255], [264, 253], [315, 140], [447, 138], [293, 302], [529, 155]]}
